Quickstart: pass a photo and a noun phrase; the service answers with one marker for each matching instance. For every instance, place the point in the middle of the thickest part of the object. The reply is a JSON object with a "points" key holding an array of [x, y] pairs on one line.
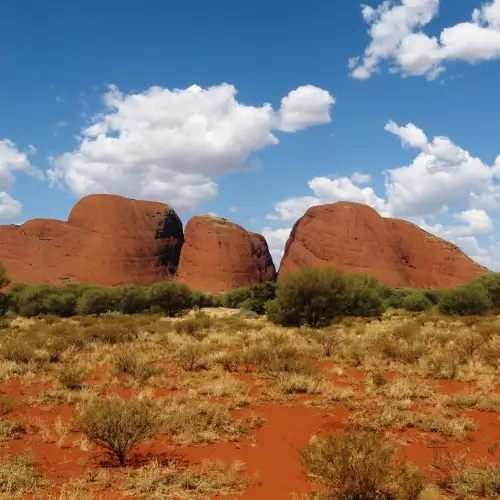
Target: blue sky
{"points": [[79, 114]]}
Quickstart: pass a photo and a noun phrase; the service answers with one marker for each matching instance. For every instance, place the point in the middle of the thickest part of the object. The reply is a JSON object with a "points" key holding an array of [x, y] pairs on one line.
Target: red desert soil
{"points": [[107, 240], [219, 255], [356, 239], [271, 451]]}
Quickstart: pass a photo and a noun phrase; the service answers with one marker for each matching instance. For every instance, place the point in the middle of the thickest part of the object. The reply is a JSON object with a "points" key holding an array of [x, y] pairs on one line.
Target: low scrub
{"points": [[360, 466], [213, 479], [189, 422], [129, 362], [18, 477], [117, 425]]}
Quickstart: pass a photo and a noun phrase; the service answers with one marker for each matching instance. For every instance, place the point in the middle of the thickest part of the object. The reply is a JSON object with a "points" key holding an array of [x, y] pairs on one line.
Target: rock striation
{"points": [[219, 255], [354, 238]]}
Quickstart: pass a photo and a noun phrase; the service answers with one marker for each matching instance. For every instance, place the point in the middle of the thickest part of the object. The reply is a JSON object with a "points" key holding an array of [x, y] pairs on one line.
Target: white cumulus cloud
{"points": [[276, 241], [12, 160], [396, 36], [304, 107], [169, 144]]}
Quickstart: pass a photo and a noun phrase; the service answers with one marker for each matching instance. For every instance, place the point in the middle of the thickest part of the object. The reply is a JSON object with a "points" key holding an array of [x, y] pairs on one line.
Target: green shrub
{"points": [[416, 302], [35, 300], [117, 425], [490, 282], [393, 297], [97, 300], [313, 297], [464, 301], [170, 298], [364, 297], [131, 299], [4, 303]]}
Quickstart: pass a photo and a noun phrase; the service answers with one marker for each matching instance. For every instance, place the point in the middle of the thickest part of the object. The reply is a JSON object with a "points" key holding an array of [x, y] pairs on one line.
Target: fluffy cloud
{"points": [[328, 190], [305, 107], [11, 160], [396, 37], [169, 144], [442, 175], [276, 241]]}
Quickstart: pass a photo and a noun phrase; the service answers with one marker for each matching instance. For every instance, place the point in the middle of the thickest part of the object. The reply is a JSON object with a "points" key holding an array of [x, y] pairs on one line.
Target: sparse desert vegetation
{"points": [[384, 403]]}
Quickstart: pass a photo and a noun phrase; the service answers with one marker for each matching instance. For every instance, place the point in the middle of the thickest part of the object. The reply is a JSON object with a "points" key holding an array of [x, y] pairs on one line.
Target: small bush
{"points": [[191, 356], [117, 425], [71, 377], [131, 299], [416, 302], [17, 350], [313, 297], [170, 298], [464, 301], [364, 299], [130, 363], [97, 301], [195, 325], [360, 466]]}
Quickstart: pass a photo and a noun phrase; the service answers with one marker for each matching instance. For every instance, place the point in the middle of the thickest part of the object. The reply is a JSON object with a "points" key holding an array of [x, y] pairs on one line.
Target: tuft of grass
{"points": [[18, 477], [128, 362], [189, 422], [6, 405], [214, 478], [71, 377], [17, 350], [11, 430], [480, 402]]}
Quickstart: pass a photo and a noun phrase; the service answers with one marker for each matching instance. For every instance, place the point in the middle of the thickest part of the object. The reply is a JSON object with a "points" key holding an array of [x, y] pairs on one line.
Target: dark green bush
{"points": [[364, 297], [464, 301], [396, 296], [34, 300], [416, 302], [131, 299], [313, 297], [490, 282], [98, 300], [170, 298]]}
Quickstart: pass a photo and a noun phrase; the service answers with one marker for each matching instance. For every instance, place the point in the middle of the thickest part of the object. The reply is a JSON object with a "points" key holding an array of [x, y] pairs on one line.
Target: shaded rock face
{"points": [[219, 255], [107, 240], [354, 238]]}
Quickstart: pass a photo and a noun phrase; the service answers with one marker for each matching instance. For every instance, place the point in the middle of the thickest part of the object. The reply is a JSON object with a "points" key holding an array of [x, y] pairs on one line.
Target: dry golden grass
{"points": [[18, 477], [156, 481]]}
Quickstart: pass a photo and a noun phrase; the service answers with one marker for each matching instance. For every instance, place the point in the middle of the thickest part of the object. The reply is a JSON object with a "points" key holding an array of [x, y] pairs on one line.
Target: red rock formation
{"points": [[219, 255], [107, 240], [356, 239]]}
